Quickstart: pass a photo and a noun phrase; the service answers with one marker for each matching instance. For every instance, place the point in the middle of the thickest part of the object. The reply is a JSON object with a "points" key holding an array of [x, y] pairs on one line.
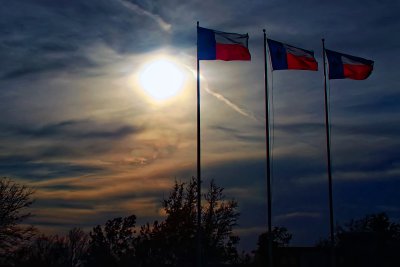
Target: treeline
{"points": [[370, 241], [120, 242]]}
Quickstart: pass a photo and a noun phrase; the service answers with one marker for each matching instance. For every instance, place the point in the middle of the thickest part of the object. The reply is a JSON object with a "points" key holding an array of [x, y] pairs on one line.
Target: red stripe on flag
{"points": [[357, 72], [301, 62], [229, 52]]}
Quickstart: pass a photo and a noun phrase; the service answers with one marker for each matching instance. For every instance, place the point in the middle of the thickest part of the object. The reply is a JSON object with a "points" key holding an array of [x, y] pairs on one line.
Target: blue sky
{"points": [[78, 127]]}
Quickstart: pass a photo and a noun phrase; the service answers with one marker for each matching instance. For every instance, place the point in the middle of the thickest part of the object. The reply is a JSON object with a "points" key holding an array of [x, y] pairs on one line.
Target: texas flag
{"points": [[217, 45], [287, 57], [342, 66]]}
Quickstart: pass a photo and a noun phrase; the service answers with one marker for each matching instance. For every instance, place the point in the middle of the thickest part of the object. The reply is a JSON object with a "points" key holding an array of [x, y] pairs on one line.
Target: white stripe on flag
{"points": [[346, 60], [231, 38], [297, 51]]}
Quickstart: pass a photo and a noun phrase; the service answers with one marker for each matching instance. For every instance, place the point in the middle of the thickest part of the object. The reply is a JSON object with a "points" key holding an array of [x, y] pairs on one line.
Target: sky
{"points": [[77, 125]]}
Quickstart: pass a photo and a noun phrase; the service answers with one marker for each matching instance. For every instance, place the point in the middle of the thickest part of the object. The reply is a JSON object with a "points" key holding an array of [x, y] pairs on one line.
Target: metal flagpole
{"points": [[268, 167], [328, 150], [198, 160]]}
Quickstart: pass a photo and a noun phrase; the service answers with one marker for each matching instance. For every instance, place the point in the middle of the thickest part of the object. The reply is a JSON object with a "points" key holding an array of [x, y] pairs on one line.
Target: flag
{"points": [[342, 66], [217, 45], [287, 57]]}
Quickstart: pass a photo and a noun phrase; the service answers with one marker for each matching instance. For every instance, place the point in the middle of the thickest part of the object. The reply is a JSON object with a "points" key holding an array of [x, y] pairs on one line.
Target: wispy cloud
{"points": [[139, 10], [71, 129], [33, 169], [300, 214], [240, 135]]}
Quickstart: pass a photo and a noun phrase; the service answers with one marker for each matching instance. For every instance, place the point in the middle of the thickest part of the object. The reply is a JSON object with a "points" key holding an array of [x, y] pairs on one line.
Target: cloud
{"points": [[71, 129], [137, 9], [48, 65], [241, 135], [295, 215], [31, 168], [387, 128], [299, 127], [60, 149], [47, 36]]}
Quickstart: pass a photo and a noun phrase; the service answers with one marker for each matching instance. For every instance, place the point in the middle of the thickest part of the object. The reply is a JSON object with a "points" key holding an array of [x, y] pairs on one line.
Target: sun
{"points": [[161, 79]]}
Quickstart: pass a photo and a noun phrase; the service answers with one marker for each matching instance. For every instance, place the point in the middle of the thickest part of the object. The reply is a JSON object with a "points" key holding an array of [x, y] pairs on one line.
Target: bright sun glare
{"points": [[161, 79]]}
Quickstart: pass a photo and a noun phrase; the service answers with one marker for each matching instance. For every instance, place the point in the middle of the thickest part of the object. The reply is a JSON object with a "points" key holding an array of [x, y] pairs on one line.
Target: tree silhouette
{"points": [[280, 238], [370, 241], [113, 244], [14, 199], [151, 249], [173, 241], [55, 251], [376, 226], [78, 245], [219, 218]]}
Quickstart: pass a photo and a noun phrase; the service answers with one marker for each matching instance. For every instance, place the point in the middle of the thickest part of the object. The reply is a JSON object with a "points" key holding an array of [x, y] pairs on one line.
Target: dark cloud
{"points": [[57, 151], [72, 129], [118, 133], [306, 127], [388, 129], [43, 36], [381, 104], [370, 165], [33, 169], [298, 165], [70, 204], [62, 187], [70, 64], [61, 142], [358, 198], [240, 135]]}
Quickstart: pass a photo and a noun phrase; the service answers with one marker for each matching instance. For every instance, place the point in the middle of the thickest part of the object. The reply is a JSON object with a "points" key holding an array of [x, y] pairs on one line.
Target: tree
{"points": [[14, 200], [219, 218], [376, 227], [370, 241], [113, 244], [173, 241], [151, 248], [280, 238], [44, 251], [55, 251], [78, 245], [178, 231]]}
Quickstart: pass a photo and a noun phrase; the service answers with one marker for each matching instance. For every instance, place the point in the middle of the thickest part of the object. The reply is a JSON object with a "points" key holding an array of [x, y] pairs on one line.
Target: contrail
{"points": [[224, 99], [230, 103], [137, 9]]}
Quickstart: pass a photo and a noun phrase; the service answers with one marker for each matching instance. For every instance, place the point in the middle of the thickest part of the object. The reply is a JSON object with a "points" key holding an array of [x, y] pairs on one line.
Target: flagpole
{"points": [[198, 161], [328, 150], [267, 149]]}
